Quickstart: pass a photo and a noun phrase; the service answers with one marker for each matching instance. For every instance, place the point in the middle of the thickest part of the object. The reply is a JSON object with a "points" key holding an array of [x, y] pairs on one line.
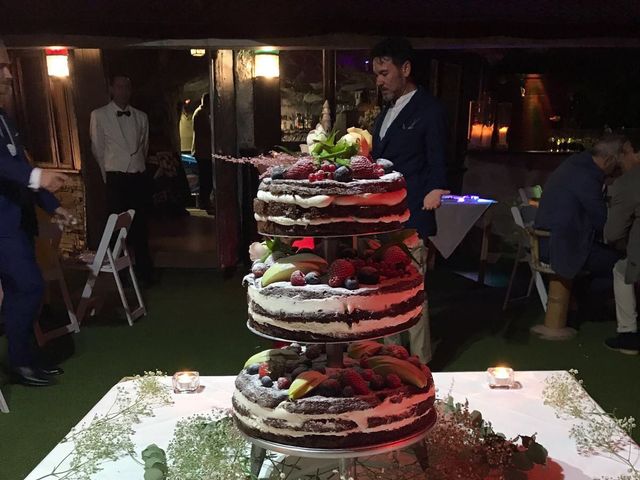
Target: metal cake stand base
{"points": [[346, 457]]}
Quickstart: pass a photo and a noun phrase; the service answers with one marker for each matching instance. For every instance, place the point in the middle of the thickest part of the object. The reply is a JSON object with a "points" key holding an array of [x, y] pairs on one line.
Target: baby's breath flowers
{"points": [[107, 437], [208, 447], [596, 431]]}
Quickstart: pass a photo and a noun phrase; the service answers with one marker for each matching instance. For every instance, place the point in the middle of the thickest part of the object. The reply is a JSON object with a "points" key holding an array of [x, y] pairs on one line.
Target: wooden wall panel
{"points": [[225, 143], [90, 92]]}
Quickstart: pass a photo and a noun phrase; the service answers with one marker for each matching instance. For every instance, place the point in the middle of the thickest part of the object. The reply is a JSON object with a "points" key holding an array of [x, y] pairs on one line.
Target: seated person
{"points": [[574, 210], [623, 229]]}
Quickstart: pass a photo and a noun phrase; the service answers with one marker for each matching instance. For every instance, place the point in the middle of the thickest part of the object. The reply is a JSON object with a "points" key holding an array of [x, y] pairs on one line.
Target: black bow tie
{"points": [[125, 112]]}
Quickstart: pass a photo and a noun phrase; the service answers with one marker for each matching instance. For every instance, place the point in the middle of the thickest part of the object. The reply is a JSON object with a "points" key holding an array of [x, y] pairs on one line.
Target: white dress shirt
{"points": [[119, 143], [394, 111]]}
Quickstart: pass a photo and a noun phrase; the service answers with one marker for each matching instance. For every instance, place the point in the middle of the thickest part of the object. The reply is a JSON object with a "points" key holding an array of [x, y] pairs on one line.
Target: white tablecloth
{"points": [[454, 219], [511, 412]]}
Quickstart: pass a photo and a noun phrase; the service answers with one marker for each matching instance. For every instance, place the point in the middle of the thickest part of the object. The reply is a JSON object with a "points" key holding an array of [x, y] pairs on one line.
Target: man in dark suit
{"points": [[623, 229], [574, 210], [20, 277], [411, 132]]}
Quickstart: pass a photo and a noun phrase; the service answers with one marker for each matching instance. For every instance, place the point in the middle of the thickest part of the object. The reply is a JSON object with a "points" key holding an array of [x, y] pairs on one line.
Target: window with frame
{"points": [[46, 112]]}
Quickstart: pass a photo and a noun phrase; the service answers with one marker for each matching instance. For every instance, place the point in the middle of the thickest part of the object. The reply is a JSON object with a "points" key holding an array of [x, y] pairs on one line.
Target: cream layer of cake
{"points": [[324, 313]]}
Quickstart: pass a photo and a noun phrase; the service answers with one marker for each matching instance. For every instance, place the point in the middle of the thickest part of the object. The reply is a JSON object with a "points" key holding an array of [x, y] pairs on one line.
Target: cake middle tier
{"points": [[321, 313]]}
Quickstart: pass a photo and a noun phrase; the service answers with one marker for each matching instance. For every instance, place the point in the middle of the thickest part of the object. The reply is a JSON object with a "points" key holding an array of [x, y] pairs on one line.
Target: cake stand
{"points": [[346, 457], [335, 355]]}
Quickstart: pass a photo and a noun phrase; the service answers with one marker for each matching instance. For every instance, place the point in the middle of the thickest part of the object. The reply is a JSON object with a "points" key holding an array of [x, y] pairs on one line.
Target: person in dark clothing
{"points": [[20, 187], [201, 150], [411, 131], [573, 208]]}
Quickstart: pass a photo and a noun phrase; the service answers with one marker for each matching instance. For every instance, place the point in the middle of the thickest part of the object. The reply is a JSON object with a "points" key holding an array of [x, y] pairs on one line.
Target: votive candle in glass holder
{"points": [[501, 377], [186, 382]]}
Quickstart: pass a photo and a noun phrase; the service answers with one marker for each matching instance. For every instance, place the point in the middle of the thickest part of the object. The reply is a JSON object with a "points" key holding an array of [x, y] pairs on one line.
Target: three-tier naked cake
{"points": [[331, 290]]}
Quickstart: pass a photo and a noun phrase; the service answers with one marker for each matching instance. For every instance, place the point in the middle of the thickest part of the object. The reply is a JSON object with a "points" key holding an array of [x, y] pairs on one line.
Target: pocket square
{"points": [[411, 125]]}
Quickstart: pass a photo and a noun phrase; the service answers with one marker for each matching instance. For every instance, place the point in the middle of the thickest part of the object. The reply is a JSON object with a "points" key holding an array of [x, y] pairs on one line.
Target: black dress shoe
{"points": [[30, 377], [51, 370]]}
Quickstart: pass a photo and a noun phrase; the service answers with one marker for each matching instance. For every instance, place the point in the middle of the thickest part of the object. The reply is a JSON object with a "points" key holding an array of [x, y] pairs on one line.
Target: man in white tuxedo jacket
{"points": [[119, 141]]}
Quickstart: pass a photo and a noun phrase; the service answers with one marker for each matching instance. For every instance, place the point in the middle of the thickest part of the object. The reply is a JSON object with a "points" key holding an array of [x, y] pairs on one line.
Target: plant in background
{"points": [[107, 437], [597, 431]]}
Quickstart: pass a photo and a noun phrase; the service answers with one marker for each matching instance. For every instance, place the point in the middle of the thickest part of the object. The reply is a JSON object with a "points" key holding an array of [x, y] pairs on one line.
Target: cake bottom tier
{"points": [[342, 431]]}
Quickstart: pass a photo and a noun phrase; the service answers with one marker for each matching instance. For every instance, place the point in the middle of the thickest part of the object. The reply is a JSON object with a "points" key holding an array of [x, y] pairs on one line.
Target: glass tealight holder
{"points": [[186, 382], [501, 377]]}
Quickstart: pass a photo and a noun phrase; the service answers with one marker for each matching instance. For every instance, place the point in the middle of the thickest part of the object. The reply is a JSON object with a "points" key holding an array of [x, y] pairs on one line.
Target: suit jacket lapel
{"points": [[381, 143], [404, 115]]}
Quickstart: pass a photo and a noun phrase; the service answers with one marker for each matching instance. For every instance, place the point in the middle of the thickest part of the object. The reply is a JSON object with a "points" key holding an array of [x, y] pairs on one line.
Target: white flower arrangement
{"points": [[596, 431]]}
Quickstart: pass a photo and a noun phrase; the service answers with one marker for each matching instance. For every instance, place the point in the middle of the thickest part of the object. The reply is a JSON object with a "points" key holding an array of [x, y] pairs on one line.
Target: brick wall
{"points": [[72, 197]]}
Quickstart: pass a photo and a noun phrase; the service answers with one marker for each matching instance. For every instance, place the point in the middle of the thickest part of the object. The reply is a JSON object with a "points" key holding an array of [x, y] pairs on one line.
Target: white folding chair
{"points": [[49, 262], [4, 408], [523, 217], [108, 260]]}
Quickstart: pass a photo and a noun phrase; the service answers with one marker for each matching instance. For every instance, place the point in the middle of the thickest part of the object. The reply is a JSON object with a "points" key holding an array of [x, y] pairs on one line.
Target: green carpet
{"points": [[197, 320]]}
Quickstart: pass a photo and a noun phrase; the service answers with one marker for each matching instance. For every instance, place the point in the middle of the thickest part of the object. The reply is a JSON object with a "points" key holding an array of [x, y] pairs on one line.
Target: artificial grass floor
{"points": [[197, 320]]}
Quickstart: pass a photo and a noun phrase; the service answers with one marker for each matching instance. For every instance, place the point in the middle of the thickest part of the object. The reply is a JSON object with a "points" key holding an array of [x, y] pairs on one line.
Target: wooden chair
{"points": [[113, 260], [559, 294], [523, 217], [47, 254]]}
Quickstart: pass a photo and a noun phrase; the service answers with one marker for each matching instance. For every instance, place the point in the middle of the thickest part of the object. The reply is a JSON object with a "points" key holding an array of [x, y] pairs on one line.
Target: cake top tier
{"points": [[330, 206], [386, 183]]}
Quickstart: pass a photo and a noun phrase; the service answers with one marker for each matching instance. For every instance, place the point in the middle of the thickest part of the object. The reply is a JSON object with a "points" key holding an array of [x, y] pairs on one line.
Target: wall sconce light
{"points": [[198, 52], [57, 61], [267, 63]]}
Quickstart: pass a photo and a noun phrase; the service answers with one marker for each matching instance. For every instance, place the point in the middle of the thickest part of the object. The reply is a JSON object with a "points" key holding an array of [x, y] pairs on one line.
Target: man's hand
{"points": [[52, 181], [432, 200], [64, 213]]}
